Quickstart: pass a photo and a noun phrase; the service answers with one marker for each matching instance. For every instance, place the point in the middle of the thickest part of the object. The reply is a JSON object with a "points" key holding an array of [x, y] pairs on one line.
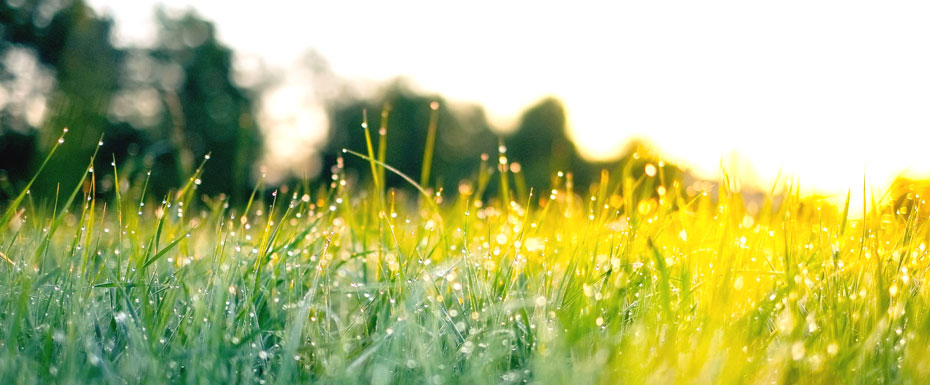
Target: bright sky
{"points": [[821, 90]]}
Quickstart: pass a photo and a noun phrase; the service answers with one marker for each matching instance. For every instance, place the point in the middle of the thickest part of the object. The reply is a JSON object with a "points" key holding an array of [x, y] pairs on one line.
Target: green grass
{"points": [[353, 283]]}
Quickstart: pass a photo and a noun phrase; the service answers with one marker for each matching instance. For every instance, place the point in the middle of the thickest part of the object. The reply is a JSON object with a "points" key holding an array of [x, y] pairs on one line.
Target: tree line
{"points": [[164, 107]]}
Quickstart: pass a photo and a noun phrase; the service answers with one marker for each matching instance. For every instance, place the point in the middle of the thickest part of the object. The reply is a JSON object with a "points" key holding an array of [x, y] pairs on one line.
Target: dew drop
{"points": [[650, 169]]}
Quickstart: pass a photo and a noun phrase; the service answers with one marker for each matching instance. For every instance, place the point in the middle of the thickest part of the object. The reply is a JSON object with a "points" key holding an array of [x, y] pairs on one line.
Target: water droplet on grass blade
{"points": [[650, 169], [467, 347]]}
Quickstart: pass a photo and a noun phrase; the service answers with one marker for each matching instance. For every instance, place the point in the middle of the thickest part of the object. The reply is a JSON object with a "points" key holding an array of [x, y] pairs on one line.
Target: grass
{"points": [[355, 283]]}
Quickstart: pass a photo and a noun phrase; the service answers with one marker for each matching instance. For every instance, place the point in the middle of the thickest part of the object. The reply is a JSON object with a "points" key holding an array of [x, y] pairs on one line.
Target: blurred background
{"points": [[827, 93]]}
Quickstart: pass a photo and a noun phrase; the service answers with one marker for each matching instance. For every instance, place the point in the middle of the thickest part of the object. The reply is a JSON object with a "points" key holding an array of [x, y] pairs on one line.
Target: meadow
{"points": [[633, 281]]}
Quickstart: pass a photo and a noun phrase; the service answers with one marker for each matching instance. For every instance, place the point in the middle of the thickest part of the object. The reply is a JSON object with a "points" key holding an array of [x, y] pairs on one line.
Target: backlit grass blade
{"points": [[164, 250], [14, 205], [430, 144]]}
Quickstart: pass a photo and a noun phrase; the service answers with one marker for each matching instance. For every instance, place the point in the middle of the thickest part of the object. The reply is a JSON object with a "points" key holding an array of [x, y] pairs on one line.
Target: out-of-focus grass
{"points": [[355, 284]]}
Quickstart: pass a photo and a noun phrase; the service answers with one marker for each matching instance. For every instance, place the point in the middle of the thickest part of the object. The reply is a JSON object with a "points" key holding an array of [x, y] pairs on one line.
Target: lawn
{"points": [[347, 281]]}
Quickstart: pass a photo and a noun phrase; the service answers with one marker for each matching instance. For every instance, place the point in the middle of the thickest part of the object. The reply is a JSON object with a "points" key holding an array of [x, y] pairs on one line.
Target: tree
{"points": [[461, 137], [70, 41], [171, 104], [182, 96], [541, 144]]}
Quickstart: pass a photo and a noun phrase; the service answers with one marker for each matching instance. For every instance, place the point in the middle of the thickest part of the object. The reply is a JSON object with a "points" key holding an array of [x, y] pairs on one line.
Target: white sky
{"points": [[817, 89]]}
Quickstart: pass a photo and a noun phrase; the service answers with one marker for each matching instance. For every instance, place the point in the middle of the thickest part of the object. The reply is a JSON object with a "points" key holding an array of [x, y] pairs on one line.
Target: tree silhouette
{"points": [[75, 44], [204, 112], [542, 146], [171, 104], [461, 136]]}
